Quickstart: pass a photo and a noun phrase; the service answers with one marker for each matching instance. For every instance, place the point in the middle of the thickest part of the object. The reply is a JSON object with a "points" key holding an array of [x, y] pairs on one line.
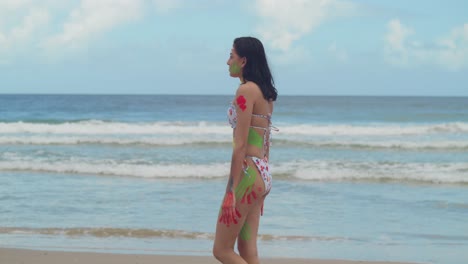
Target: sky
{"points": [[314, 47]]}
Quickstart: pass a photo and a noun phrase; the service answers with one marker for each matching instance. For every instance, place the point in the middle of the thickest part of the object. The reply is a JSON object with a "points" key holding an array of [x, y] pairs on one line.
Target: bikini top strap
{"points": [[264, 128], [266, 140], [268, 117]]}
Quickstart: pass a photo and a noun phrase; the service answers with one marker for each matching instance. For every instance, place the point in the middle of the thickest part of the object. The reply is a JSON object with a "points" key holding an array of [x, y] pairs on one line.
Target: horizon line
{"points": [[188, 94]]}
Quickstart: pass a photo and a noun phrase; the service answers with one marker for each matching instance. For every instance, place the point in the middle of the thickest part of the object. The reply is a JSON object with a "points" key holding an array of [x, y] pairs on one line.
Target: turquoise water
{"points": [[369, 178]]}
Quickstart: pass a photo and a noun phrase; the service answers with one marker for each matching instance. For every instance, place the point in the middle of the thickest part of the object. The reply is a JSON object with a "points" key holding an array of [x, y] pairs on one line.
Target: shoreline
{"points": [[28, 256]]}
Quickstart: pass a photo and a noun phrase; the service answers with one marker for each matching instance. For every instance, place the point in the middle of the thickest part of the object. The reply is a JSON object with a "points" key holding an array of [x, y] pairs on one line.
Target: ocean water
{"points": [[365, 178]]}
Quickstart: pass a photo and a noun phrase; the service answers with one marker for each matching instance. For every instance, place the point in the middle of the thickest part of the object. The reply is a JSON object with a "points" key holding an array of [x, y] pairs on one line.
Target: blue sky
{"points": [[315, 47]]}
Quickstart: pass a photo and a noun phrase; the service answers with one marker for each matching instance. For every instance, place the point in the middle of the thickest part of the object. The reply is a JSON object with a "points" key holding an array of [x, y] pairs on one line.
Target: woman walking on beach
{"points": [[250, 179]]}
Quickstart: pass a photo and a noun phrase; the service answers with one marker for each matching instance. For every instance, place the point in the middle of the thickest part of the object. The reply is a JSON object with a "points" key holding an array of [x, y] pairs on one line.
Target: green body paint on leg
{"points": [[245, 232], [246, 183]]}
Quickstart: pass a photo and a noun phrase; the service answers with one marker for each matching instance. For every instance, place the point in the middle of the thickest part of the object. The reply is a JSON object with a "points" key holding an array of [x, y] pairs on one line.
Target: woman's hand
{"points": [[229, 212], [249, 195]]}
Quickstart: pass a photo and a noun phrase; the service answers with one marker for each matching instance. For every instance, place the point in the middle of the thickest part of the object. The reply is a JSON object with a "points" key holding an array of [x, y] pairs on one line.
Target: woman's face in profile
{"points": [[235, 64]]}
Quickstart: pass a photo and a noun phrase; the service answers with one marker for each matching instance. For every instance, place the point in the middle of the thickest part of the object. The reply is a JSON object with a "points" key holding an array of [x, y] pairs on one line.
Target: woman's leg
{"points": [[246, 201], [225, 238], [247, 239]]}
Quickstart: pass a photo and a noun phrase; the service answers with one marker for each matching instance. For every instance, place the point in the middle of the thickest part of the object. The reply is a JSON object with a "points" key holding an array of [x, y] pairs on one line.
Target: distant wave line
{"points": [[98, 127], [308, 170], [397, 144], [146, 233]]}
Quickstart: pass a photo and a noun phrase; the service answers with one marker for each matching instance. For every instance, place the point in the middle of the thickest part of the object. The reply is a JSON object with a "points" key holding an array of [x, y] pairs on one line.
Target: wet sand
{"points": [[25, 256]]}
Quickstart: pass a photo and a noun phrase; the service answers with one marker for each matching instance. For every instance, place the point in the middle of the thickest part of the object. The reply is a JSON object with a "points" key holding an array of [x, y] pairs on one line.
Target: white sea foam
{"points": [[113, 140], [315, 170], [444, 136], [97, 127], [324, 170], [376, 129], [145, 233], [117, 168], [400, 144], [146, 141]]}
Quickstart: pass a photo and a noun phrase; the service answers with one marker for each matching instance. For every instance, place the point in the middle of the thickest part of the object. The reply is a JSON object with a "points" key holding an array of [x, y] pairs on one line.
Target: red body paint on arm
{"points": [[241, 102]]}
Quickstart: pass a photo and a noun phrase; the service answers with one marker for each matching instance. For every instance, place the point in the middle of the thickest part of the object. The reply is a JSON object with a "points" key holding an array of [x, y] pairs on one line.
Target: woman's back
{"points": [[260, 126]]}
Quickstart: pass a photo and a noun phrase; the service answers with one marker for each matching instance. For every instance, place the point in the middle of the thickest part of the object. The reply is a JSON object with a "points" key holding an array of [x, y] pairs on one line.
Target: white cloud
{"points": [[339, 53], [13, 8], [36, 18], [450, 51], [454, 52], [22, 33], [164, 6], [3, 40], [24, 24], [397, 34], [293, 56], [396, 48], [283, 22], [93, 17], [11, 5], [58, 26]]}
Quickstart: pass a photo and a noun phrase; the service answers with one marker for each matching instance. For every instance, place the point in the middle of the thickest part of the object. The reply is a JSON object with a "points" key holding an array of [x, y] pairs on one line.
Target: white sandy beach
{"points": [[25, 256]]}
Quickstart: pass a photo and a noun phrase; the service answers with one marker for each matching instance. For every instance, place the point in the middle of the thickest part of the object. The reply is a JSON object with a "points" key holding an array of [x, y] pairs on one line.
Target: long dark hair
{"points": [[256, 69]]}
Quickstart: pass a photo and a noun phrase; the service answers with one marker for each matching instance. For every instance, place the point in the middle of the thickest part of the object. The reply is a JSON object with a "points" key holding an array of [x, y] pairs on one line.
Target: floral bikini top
{"points": [[254, 138]]}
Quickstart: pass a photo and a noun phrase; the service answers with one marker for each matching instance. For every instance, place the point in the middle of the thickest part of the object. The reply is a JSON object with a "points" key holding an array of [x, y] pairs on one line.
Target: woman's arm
{"points": [[244, 102]]}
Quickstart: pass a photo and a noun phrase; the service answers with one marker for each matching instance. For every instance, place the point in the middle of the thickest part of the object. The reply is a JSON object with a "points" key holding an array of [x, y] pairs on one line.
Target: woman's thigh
{"points": [[249, 199], [247, 238]]}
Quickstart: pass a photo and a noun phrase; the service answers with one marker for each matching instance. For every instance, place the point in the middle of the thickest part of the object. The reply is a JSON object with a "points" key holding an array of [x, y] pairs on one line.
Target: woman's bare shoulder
{"points": [[251, 89]]}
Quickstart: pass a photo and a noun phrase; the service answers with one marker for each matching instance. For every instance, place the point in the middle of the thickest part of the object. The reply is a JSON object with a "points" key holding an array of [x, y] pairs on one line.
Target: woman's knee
{"points": [[247, 251], [217, 252], [220, 253]]}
